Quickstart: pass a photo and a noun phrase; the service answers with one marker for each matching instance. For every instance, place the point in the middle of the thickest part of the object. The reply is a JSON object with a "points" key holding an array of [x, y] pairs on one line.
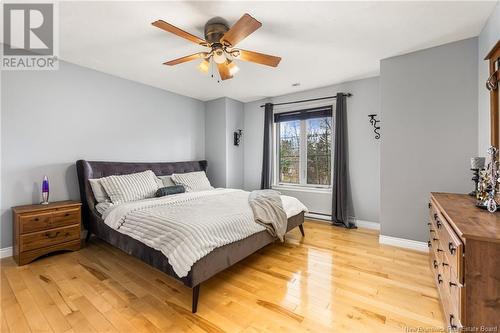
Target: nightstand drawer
{"points": [[49, 237], [31, 223], [66, 217], [49, 220], [29, 256]]}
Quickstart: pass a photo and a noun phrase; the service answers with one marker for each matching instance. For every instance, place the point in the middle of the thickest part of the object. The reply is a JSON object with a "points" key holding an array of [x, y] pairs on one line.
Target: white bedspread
{"points": [[188, 226]]}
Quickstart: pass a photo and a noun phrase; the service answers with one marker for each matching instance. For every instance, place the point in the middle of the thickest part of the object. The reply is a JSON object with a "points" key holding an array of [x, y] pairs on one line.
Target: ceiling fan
{"points": [[221, 40]]}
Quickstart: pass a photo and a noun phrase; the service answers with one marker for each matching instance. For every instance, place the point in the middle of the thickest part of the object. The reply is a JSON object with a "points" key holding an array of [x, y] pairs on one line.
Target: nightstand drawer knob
{"points": [[52, 235]]}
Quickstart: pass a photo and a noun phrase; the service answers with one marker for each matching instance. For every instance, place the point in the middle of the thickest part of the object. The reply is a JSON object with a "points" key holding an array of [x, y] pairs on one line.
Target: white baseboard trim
{"points": [[404, 243], [367, 224], [359, 223], [6, 252], [321, 217]]}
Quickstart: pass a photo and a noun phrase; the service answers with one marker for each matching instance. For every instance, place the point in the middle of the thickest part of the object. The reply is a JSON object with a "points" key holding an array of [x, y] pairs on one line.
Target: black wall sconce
{"points": [[237, 137], [374, 123]]}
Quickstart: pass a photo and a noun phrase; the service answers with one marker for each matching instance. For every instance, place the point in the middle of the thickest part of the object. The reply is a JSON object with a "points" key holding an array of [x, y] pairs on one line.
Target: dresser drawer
{"points": [[66, 217], [29, 256], [48, 220], [35, 222], [452, 249], [49, 237]]}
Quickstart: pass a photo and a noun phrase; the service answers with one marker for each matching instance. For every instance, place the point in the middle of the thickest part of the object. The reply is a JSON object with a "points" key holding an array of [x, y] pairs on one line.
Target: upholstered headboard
{"points": [[96, 169]]}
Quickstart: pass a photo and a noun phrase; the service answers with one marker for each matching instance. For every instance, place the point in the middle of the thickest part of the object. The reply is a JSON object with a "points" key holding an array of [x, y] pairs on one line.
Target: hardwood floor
{"points": [[332, 280]]}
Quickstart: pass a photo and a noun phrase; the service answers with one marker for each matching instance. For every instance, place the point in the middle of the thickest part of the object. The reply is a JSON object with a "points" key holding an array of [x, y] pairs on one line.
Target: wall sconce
{"points": [[237, 137], [374, 123]]}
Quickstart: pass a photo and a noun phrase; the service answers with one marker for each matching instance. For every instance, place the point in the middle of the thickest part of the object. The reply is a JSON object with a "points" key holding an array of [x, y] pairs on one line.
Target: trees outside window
{"points": [[304, 155]]}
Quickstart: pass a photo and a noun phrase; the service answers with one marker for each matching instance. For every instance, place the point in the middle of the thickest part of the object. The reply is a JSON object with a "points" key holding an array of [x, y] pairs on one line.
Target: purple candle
{"points": [[45, 190]]}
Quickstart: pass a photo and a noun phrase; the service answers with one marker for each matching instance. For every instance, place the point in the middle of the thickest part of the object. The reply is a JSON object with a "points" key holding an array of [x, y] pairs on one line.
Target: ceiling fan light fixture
{"points": [[233, 69], [204, 66], [219, 56]]}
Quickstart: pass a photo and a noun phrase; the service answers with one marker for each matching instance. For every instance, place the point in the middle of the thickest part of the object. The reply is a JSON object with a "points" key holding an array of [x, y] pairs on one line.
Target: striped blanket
{"points": [[188, 226]]}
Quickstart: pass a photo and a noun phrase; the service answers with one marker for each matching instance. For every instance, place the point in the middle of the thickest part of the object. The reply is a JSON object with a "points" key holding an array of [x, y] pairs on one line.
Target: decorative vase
{"points": [[488, 183], [45, 191]]}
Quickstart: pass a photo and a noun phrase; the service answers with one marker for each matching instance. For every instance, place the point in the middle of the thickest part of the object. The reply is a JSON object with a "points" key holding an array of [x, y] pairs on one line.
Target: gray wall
{"points": [[52, 118], [486, 40], [363, 148], [234, 121], [429, 132], [215, 141], [223, 117]]}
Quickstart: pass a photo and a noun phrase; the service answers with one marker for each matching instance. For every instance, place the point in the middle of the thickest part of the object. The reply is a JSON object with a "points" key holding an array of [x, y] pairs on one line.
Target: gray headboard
{"points": [[96, 169]]}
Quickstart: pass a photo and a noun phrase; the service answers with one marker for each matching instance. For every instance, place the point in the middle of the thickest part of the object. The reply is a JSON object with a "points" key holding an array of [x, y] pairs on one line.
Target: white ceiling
{"points": [[320, 43]]}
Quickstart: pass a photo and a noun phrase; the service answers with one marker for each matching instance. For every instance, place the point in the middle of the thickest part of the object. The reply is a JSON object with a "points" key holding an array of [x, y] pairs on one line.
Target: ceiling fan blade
{"points": [[179, 32], [241, 29], [186, 59], [260, 58], [224, 71]]}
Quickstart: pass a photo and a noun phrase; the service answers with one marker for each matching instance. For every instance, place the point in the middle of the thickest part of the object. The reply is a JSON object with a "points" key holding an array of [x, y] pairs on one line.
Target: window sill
{"points": [[300, 188]]}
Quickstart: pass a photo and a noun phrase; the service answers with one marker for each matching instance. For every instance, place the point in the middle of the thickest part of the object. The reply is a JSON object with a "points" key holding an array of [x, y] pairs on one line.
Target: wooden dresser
{"points": [[42, 229], [464, 247]]}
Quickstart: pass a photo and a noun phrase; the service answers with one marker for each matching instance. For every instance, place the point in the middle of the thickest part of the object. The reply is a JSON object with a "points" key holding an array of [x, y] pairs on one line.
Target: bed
{"points": [[203, 269]]}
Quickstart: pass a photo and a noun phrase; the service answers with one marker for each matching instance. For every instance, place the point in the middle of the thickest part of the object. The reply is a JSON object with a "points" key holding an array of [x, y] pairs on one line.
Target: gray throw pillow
{"points": [[169, 190]]}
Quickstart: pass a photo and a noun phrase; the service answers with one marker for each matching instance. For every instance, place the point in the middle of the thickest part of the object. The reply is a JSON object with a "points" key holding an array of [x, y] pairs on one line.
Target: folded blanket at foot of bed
{"points": [[268, 211]]}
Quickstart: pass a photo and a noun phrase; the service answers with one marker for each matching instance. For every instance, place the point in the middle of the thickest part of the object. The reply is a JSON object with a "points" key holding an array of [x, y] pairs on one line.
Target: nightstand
{"points": [[42, 229]]}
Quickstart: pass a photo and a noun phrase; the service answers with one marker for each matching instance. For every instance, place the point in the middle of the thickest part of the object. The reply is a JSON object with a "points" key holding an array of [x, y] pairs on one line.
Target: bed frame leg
{"points": [[196, 293], [301, 228]]}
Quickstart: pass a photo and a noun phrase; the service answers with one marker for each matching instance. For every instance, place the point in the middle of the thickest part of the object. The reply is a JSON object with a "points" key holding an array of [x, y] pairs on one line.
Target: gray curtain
{"points": [[265, 180], [340, 206]]}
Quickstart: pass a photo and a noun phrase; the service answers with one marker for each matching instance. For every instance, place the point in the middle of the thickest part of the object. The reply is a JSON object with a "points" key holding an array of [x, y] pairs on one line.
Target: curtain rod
{"points": [[308, 100]]}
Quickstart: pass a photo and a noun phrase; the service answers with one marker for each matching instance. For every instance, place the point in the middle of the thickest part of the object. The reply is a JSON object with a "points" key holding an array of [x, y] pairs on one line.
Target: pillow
{"points": [[166, 181], [192, 181], [131, 187], [101, 207], [100, 194], [169, 190]]}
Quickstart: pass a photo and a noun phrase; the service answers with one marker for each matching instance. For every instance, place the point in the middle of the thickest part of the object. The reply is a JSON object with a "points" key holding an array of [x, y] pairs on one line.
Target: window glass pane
{"points": [[289, 150], [319, 153]]}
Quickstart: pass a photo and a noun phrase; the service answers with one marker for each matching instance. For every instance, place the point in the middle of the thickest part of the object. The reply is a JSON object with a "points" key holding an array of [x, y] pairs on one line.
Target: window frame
{"points": [[302, 155]]}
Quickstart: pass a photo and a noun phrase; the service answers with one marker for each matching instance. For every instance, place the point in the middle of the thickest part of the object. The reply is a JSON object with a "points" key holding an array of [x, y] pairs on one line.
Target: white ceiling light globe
{"points": [[219, 56]]}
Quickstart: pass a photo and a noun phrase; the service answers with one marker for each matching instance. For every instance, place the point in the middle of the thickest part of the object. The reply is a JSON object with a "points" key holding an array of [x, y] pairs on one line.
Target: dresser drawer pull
{"points": [[429, 243], [452, 248], [440, 280], [429, 205], [36, 219], [452, 319], [439, 250], [49, 235], [435, 239], [435, 264], [429, 224], [445, 264], [452, 284], [432, 230], [438, 224]]}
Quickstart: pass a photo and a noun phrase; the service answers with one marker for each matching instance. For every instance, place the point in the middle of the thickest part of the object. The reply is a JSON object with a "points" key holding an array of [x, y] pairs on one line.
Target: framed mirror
{"points": [[492, 84]]}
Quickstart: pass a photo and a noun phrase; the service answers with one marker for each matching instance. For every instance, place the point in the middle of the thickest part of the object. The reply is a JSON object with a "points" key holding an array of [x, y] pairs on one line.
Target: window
{"points": [[303, 147]]}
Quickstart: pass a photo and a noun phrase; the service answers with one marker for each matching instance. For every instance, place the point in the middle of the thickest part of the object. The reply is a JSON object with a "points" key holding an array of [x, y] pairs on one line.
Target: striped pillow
{"points": [[135, 186], [192, 181]]}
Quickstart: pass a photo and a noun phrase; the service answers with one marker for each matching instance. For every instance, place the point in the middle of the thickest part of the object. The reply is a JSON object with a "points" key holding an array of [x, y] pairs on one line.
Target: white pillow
{"points": [[101, 207], [131, 187], [100, 194], [192, 181], [166, 181]]}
